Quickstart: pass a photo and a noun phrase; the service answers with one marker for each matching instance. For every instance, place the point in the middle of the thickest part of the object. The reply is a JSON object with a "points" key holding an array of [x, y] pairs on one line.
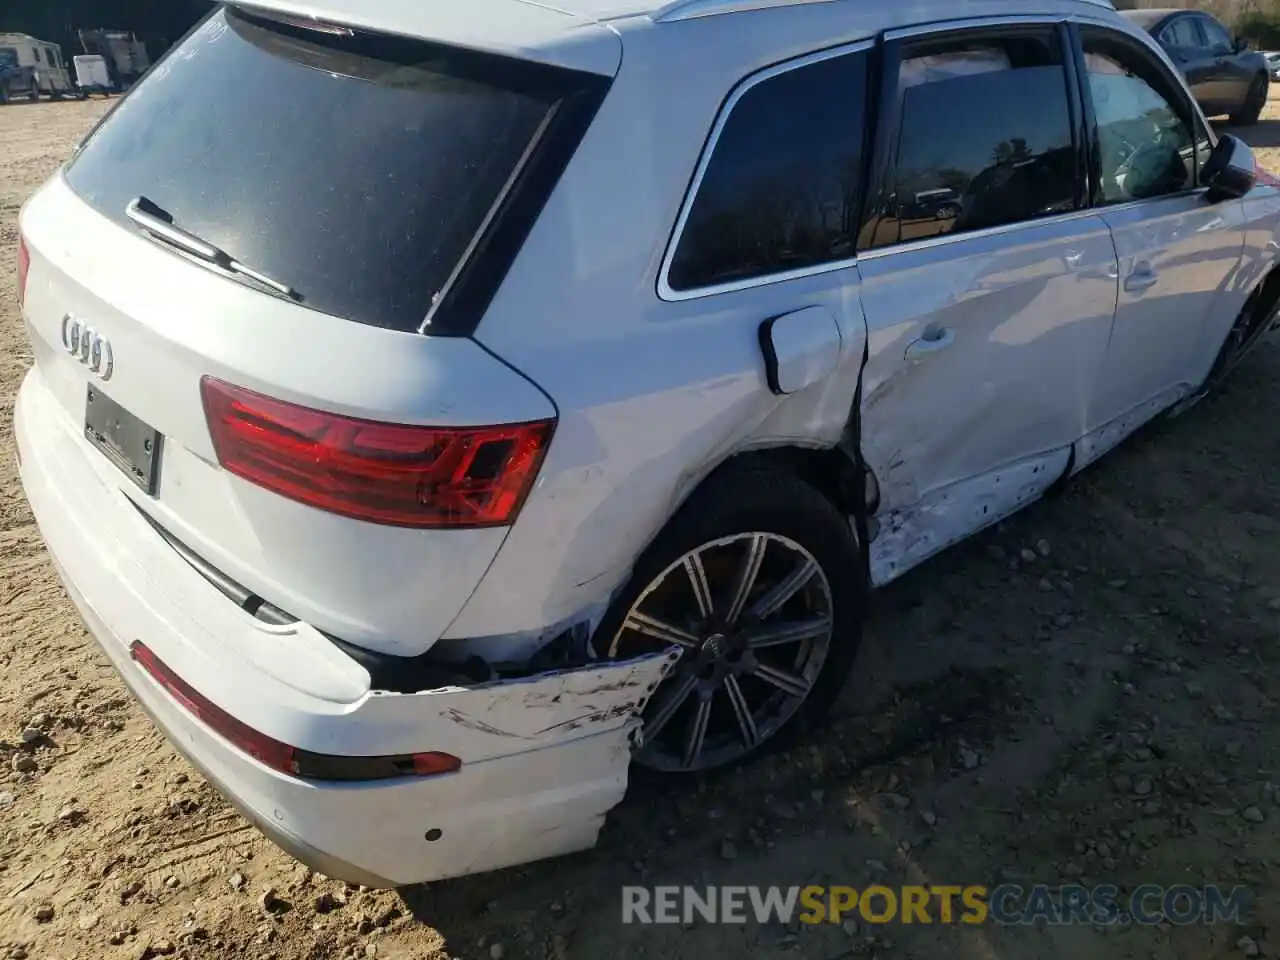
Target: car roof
{"points": [[415, 18], [1151, 19], [581, 34]]}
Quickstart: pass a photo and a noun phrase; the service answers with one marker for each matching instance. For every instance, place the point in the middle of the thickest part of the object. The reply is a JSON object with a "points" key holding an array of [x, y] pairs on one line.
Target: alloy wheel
{"points": [[753, 616]]}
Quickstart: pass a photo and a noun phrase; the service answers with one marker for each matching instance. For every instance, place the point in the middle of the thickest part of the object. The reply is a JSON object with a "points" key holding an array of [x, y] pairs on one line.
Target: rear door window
{"points": [[782, 188], [355, 168], [985, 138]]}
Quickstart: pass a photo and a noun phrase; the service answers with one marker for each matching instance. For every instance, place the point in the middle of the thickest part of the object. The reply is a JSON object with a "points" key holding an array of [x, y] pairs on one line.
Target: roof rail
{"points": [[693, 9]]}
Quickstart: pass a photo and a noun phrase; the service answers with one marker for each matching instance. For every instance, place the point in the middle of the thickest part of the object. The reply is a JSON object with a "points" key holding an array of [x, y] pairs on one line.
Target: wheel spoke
{"points": [[669, 703], [746, 577], [660, 630], [789, 631], [697, 733], [698, 580], [785, 589], [788, 683], [746, 722]]}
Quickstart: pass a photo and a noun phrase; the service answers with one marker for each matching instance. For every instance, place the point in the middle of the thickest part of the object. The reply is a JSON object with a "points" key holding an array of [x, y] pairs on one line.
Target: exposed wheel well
{"points": [[829, 470], [1268, 291]]}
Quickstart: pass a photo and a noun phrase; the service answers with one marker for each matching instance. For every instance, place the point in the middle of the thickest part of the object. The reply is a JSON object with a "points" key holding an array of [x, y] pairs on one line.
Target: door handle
{"points": [[1142, 278], [933, 341]]}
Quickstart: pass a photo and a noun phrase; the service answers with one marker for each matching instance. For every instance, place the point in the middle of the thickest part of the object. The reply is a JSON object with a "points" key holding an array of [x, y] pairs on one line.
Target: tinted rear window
{"points": [[356, 169]]}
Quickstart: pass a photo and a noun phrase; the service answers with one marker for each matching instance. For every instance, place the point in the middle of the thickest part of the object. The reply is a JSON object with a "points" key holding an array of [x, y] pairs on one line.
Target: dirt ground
{"points": [[1086, 694]]}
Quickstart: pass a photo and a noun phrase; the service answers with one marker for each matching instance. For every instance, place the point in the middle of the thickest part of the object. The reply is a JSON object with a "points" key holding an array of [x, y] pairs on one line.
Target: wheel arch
{"points": [[837, 472], [1268, 288]]}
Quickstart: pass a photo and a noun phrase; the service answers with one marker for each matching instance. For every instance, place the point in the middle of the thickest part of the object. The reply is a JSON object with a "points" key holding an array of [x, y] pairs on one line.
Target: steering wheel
{"points": [[1147, 169]]}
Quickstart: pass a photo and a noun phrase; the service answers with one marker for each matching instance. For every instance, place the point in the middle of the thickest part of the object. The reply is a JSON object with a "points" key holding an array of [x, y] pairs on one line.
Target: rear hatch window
{"points": [[360, 170]]}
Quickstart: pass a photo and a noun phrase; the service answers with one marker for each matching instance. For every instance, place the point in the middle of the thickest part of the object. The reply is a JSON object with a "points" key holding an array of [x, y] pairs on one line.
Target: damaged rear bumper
{"points": [[544, 758]]}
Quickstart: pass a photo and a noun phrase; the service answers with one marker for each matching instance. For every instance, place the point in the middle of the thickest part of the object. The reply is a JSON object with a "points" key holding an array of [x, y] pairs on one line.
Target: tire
{"points": [[1248, 115], [758, 522], [1256, 318]]}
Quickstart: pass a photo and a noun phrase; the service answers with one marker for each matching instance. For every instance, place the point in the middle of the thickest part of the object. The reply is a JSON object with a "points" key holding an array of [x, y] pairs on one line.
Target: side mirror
{"points": [[1231, 171], [1239, 45]]}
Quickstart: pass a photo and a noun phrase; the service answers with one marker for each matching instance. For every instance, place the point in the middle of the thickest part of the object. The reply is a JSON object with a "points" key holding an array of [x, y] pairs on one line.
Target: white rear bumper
{"points": [[543, 758]]}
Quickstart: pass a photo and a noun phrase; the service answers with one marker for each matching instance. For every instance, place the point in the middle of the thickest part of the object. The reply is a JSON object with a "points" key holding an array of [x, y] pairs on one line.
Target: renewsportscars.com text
{"points": [[1007, 904]]}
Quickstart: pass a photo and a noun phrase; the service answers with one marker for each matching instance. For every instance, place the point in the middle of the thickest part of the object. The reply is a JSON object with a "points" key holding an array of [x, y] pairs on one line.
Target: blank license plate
{"points": [[127, 442]]}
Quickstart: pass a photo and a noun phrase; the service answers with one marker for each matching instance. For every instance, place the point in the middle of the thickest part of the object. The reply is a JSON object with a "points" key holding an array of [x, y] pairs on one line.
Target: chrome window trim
{"points": [[977, 23], [665, 291], [947, 239]]}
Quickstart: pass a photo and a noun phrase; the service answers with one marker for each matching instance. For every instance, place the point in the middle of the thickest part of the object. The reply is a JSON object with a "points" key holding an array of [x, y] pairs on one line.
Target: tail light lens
{"points": [[24, 265], [395, 474], [280, 756]]}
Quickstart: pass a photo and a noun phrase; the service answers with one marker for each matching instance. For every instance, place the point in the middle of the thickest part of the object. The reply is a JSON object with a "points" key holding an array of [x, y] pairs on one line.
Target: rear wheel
{"points": [[1254, 103], [758, 579]]}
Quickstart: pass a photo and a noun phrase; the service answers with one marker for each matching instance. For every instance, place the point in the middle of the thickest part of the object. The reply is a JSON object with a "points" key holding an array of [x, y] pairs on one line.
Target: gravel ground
{"points": [[1086, 693]]}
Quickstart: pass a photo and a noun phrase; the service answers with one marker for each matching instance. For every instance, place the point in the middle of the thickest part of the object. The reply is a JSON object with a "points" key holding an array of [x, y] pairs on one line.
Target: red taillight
{"points": [[280, 756], [24, 265], [396, 474]]}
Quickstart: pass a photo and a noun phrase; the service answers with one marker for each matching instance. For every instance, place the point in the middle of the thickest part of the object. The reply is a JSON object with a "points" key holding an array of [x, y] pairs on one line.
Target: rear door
{"points": [[1178, 254], [987, 328]]}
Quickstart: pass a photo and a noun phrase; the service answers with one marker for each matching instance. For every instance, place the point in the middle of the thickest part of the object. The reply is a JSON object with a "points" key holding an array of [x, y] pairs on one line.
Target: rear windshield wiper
{"points": [[159, 224]]}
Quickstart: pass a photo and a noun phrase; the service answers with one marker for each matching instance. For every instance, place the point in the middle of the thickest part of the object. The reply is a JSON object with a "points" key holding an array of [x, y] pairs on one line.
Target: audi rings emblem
{"points": [[88, 346]]}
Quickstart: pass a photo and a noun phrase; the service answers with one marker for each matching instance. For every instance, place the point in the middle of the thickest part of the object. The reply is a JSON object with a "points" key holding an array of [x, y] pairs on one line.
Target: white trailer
{"points": [[125, 55], [31, 68], [92, 75]]}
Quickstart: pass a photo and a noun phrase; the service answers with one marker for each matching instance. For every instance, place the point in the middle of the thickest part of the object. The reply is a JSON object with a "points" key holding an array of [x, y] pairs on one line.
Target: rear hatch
{"points": [[226, 293]]}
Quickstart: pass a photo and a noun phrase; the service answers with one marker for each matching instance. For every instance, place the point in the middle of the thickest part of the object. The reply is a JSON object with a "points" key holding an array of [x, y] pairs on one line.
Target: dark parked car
{"points": [[1224, 75], [1273, 63]]}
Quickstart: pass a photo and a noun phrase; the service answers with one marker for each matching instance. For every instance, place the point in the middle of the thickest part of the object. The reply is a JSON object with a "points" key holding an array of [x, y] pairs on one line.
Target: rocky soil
{"points": [[1088, 693]]}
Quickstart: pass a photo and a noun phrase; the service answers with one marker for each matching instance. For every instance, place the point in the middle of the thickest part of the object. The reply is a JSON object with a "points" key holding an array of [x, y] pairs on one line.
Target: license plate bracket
{"points": [[125, 440]]}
